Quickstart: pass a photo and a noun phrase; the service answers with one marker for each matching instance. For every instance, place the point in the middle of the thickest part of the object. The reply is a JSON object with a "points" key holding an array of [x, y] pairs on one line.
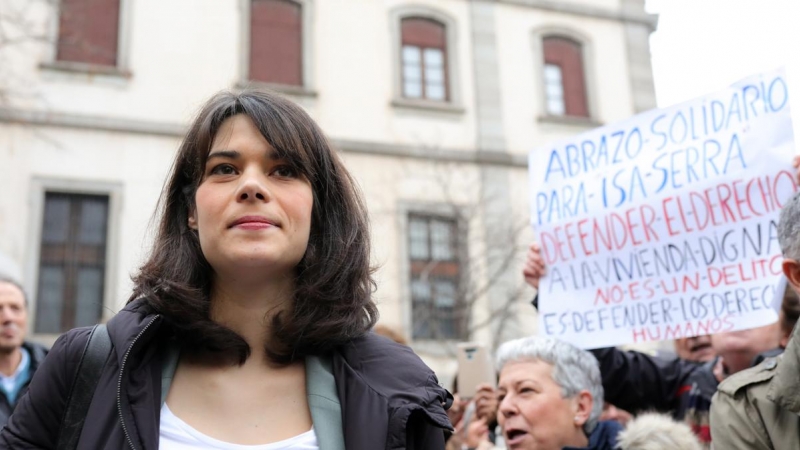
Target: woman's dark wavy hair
{"points": [[333, 298]]}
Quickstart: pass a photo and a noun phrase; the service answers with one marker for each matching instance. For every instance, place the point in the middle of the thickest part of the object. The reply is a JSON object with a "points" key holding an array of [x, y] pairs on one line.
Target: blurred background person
{"points": [[788, 313], [611, 412], [695, 348], [391, 333], [19, 359], [466, 411], [652, 431]]}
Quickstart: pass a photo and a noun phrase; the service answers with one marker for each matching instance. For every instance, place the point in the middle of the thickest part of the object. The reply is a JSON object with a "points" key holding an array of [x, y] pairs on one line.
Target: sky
{"points": [[702, 46]]}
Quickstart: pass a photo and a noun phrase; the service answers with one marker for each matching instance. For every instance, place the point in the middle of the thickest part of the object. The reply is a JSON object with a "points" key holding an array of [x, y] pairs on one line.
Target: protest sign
{"points": [[665, 225]]}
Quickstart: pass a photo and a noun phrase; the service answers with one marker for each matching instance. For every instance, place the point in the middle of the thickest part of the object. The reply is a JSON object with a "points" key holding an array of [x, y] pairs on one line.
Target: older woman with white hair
{"points": [[551, 397]]}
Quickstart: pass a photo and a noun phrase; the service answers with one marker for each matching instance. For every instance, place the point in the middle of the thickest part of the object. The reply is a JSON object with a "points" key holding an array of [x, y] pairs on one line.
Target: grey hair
{"points": [[16, 284], [789, 228], [654, 431], [574, 369]]}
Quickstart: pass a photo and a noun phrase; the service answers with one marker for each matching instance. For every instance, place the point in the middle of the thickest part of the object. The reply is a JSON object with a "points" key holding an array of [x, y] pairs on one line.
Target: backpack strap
{"points": [[93, 360]]}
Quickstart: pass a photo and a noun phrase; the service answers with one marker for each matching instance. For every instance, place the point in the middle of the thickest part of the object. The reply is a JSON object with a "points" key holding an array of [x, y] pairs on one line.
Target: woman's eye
{"points": [[223, 169], [286, 172]]}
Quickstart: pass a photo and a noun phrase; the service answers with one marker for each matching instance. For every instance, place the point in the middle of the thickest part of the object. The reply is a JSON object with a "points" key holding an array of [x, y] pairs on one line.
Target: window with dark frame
{"points": [[564, 77], [423, 56], [88, 32], [276, 53], [72, 262], [437, 312]]}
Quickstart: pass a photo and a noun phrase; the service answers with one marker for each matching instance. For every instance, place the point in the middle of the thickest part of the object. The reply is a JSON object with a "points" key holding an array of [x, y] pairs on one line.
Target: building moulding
{"points": [[177, 130], [577, 9]]}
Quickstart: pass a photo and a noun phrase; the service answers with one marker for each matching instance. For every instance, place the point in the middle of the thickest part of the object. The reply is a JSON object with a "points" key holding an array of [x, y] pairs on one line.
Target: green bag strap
{"points": [[323, 401], [170, 363]]}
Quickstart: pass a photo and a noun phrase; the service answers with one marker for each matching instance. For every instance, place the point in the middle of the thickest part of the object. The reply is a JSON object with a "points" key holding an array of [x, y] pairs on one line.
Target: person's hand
{"points": [[486, 403], [477, 434], [456, 411], [534, 265], [796, 165], [457, 439]]}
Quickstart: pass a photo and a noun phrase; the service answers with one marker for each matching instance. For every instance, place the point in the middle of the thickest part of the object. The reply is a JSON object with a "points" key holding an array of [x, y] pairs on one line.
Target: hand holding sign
{"points": [[534, 266]]}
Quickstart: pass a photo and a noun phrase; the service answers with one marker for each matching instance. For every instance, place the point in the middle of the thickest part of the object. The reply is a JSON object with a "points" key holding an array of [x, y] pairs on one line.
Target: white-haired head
{"points": [[657, 432], [574, 370]]}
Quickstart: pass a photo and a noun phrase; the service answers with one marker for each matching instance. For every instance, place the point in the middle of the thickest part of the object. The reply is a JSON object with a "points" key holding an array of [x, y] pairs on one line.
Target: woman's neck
{"points": [[248, 307], [578, 440]]}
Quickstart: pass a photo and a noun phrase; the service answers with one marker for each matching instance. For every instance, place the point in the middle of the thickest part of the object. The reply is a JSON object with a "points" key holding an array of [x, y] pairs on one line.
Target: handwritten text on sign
{"points": [[665, 225]]}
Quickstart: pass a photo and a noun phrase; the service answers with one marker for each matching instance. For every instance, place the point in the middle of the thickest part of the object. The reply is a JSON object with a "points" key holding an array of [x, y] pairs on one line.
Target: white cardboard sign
{"points": [[665, 225]]}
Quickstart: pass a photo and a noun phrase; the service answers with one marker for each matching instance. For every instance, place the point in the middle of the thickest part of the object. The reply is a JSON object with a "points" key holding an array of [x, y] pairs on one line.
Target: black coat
{"points": [[37, 354], [390, 399]]}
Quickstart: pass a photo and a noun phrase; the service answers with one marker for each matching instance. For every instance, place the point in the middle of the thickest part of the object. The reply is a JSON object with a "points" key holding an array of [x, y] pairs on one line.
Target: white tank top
{"points": [[175, 434]]}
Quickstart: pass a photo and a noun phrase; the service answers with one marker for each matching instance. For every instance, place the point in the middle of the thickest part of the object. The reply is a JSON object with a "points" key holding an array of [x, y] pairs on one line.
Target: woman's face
{"points": [[252, 210], [532, 413]]}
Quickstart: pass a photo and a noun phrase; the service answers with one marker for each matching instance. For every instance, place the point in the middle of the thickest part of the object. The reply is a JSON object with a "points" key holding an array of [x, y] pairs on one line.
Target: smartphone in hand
{"points": [[474, 368]]}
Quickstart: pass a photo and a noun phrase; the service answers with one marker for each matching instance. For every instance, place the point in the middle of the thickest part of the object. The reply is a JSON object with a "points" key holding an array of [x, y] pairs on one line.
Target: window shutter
{"points": [[423, 33], [567, 54], [88, 31], [276, 42]]}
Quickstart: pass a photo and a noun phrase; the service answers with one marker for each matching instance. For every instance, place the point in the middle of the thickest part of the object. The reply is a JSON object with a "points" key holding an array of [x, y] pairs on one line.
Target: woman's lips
{"points": [[515, 437], [253, 225]]}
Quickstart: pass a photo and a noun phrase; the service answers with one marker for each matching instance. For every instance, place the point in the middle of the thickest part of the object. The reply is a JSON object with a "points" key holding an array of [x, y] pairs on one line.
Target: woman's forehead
{"points": [[533, 370]]}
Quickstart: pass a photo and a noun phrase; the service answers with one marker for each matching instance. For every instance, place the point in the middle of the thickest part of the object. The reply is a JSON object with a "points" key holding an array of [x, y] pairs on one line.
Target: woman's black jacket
{"points": [[389, 398]]}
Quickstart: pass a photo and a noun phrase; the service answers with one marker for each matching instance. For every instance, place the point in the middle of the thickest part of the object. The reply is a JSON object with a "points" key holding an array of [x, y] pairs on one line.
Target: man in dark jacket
{"points": [[18, 359]]}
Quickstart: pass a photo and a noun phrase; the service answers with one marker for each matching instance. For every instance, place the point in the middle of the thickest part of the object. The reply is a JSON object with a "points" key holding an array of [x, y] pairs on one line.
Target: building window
{"points": [[423, 59], [88, 32], [71, 262], [437, 310], [276, 54], [564, 80]]}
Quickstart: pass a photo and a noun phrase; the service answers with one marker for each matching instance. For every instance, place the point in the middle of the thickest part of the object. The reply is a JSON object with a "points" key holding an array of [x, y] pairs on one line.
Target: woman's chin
{"points": [[255, 265]]}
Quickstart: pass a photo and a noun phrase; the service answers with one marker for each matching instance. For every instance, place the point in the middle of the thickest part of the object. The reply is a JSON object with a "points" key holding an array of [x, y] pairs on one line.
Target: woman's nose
{"points": [[253, 188]]}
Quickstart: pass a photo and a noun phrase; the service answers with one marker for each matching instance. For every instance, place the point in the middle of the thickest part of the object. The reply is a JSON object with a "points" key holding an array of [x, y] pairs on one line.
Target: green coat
{"points": [[759, 408]]}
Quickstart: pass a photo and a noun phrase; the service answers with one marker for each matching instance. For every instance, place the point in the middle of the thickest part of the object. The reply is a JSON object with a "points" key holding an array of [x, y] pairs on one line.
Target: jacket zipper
{"points": [[119, 382]]}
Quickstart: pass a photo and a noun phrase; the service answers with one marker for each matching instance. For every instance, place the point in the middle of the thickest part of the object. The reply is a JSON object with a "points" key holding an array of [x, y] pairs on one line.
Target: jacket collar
{"points": [[784, 389], [37, 353], [604, 436], [134, 324]]}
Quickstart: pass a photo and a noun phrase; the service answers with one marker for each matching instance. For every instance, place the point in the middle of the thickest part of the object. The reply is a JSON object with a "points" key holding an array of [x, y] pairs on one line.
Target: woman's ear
{"points": [[192, 222], [791, 269], [583, 407]]}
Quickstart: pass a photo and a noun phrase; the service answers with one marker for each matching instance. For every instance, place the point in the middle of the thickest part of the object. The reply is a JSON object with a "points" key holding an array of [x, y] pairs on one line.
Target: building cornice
{"points": [[577, 9], [89, 122], [177, 130]]}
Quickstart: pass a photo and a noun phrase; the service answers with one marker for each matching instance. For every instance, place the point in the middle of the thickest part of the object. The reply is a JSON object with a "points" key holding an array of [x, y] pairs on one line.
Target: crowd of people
{"points": [[250, 326]]}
